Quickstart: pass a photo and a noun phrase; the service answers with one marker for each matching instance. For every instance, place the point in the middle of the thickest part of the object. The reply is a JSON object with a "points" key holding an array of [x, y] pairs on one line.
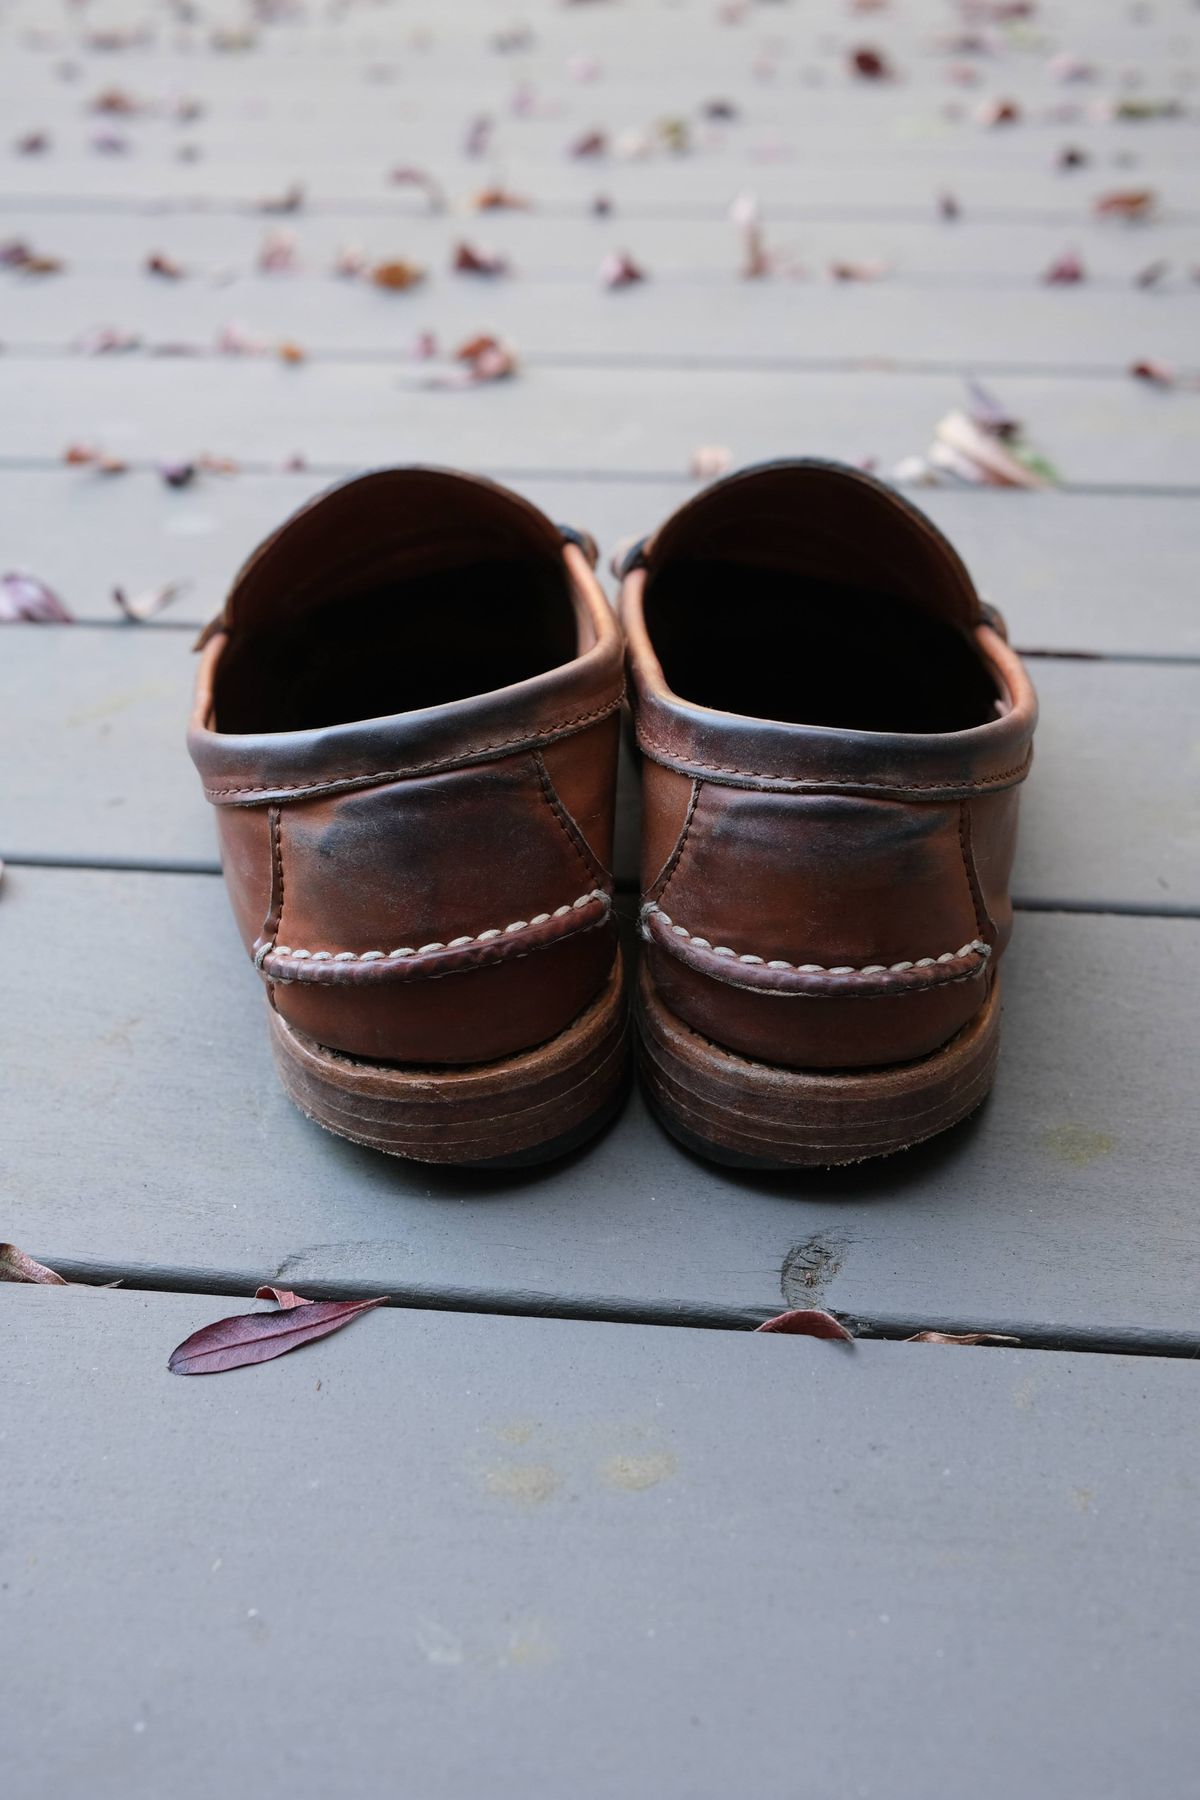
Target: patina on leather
{"points": [[834, 731], [406, 718]]}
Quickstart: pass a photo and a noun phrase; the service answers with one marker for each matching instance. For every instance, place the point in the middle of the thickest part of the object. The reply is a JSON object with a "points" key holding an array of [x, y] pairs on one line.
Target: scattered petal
{"points": [[137, 608], [601, 206], [499, 199], [592, 143], [33, 143], [1072, 157], [1152, 274], [17, 254], [985, 455], [487, 359], [948, 206], [871, 65], [1156, 373], [26, 600], [351, 262], [708, 461], [420, 178], [961, 1337], [469, 259], [858, 271], [756, 260], [998, 112], [1126, 203], [278, 252], [397, 274], [290, 201], [177, 474], [235, 340], [478, 137], [619, 270], [1065, 269], [159, 264], [291, 353], [16, 1266], [284, 1298], [808, 1321], [989, 413], [257, 1337], [107, 340]]}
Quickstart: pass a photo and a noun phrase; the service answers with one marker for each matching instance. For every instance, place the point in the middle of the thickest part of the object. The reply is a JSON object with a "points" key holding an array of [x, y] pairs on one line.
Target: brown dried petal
{"points": [[808, 1321], [249, 1338], [157, 263], [1156, 373], [16, 1266], [1126, 203], [468, 259], [499, 199], [397, 274]]}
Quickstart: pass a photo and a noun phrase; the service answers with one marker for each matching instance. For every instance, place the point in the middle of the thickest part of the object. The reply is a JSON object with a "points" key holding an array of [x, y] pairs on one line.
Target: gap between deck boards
{"points": [[1131, 1341]]}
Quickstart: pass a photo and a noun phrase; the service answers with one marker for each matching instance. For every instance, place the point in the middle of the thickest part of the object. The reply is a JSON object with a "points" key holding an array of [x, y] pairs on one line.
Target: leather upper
{"points": [[825, 880], [432, 883]]}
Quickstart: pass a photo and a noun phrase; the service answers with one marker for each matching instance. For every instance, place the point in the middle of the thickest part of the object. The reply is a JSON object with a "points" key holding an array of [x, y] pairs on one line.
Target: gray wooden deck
{"points": [[595, 1548]]}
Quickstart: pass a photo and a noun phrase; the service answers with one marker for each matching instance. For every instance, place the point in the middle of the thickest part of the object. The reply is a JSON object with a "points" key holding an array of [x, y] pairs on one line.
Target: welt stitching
{"points": [[458, 943], [975, 947], [569, 828], [568, 938], [429, 768], [846, 781], [664, 879]]}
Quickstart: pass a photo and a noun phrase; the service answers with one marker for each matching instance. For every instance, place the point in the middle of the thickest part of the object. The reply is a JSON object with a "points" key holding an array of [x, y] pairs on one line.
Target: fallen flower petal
{"points": [[708, 461], [420, 178], [469, 260], [871, 65], [478, 136], [247, 1338], [984, 450], [989, 413], [290, 201], [16, 1266], [397, 274], [808, 1321], [107, 340], [499, 199], [277, 253], [283, 1297], [291, 353], [960, 1337], [619, 270], [33, 143], [948, 206], [234, 340], [592, 143], [1152, 274], [1072, 157], [137, 608], [177, 474], [26, 600], [1126, 203], [1156, 373], [998, 112], [351, 261], [166, 266], [1065, 269], [857, 271]]}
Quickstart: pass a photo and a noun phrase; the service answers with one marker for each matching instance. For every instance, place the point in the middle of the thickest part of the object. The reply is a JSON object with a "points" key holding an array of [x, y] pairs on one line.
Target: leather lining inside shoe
{"points": [[383, 646], [771, 643]]}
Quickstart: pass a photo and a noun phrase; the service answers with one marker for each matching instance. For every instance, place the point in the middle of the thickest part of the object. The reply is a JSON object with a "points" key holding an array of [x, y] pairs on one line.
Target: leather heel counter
{"points": [[456, 918], [822, 931]]}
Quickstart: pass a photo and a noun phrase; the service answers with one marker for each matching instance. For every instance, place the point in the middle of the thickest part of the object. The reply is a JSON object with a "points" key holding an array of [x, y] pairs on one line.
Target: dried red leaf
{"points": [[871, 65], [998, 112], [961, 1337], [157, 263], [499, 199], [619, 270], [397, 275], [26, 600], [468, 259], [137, 608], [592, 143], [808, 1321], [1065, 270], [1126, 203], [247, 1338], [1156, 373], [16, 1266], [857, 271]]}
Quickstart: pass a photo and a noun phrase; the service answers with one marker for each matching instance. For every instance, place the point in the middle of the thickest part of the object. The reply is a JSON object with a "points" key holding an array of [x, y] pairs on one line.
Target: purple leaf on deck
{"points": [[247, 1338], [808, 1321], [16, 1266], [26, 600]]}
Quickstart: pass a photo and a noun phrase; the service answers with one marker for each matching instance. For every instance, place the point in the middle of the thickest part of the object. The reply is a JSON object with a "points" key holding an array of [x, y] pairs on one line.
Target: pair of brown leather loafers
{"points": [[407, 718]]}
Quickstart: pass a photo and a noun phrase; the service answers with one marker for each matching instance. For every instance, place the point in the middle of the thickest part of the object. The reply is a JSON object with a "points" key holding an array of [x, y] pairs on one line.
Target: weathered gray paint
{"points": [[457, 1556], [145, 1130]]}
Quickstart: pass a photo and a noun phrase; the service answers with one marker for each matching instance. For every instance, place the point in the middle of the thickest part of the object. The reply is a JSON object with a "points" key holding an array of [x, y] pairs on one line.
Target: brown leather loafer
{"points": [[406, 717], [834, 731]]}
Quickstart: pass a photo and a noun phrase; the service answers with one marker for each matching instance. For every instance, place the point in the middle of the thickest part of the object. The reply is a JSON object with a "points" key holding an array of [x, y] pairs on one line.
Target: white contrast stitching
{"points": [[976, 947], [458, 943]]}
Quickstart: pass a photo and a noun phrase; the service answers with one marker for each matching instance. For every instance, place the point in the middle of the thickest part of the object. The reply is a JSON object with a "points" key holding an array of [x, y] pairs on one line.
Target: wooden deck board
{"points": [[522, 1557], [577, 419], [145, 1131], [1109, 815], [1068, 570]]}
